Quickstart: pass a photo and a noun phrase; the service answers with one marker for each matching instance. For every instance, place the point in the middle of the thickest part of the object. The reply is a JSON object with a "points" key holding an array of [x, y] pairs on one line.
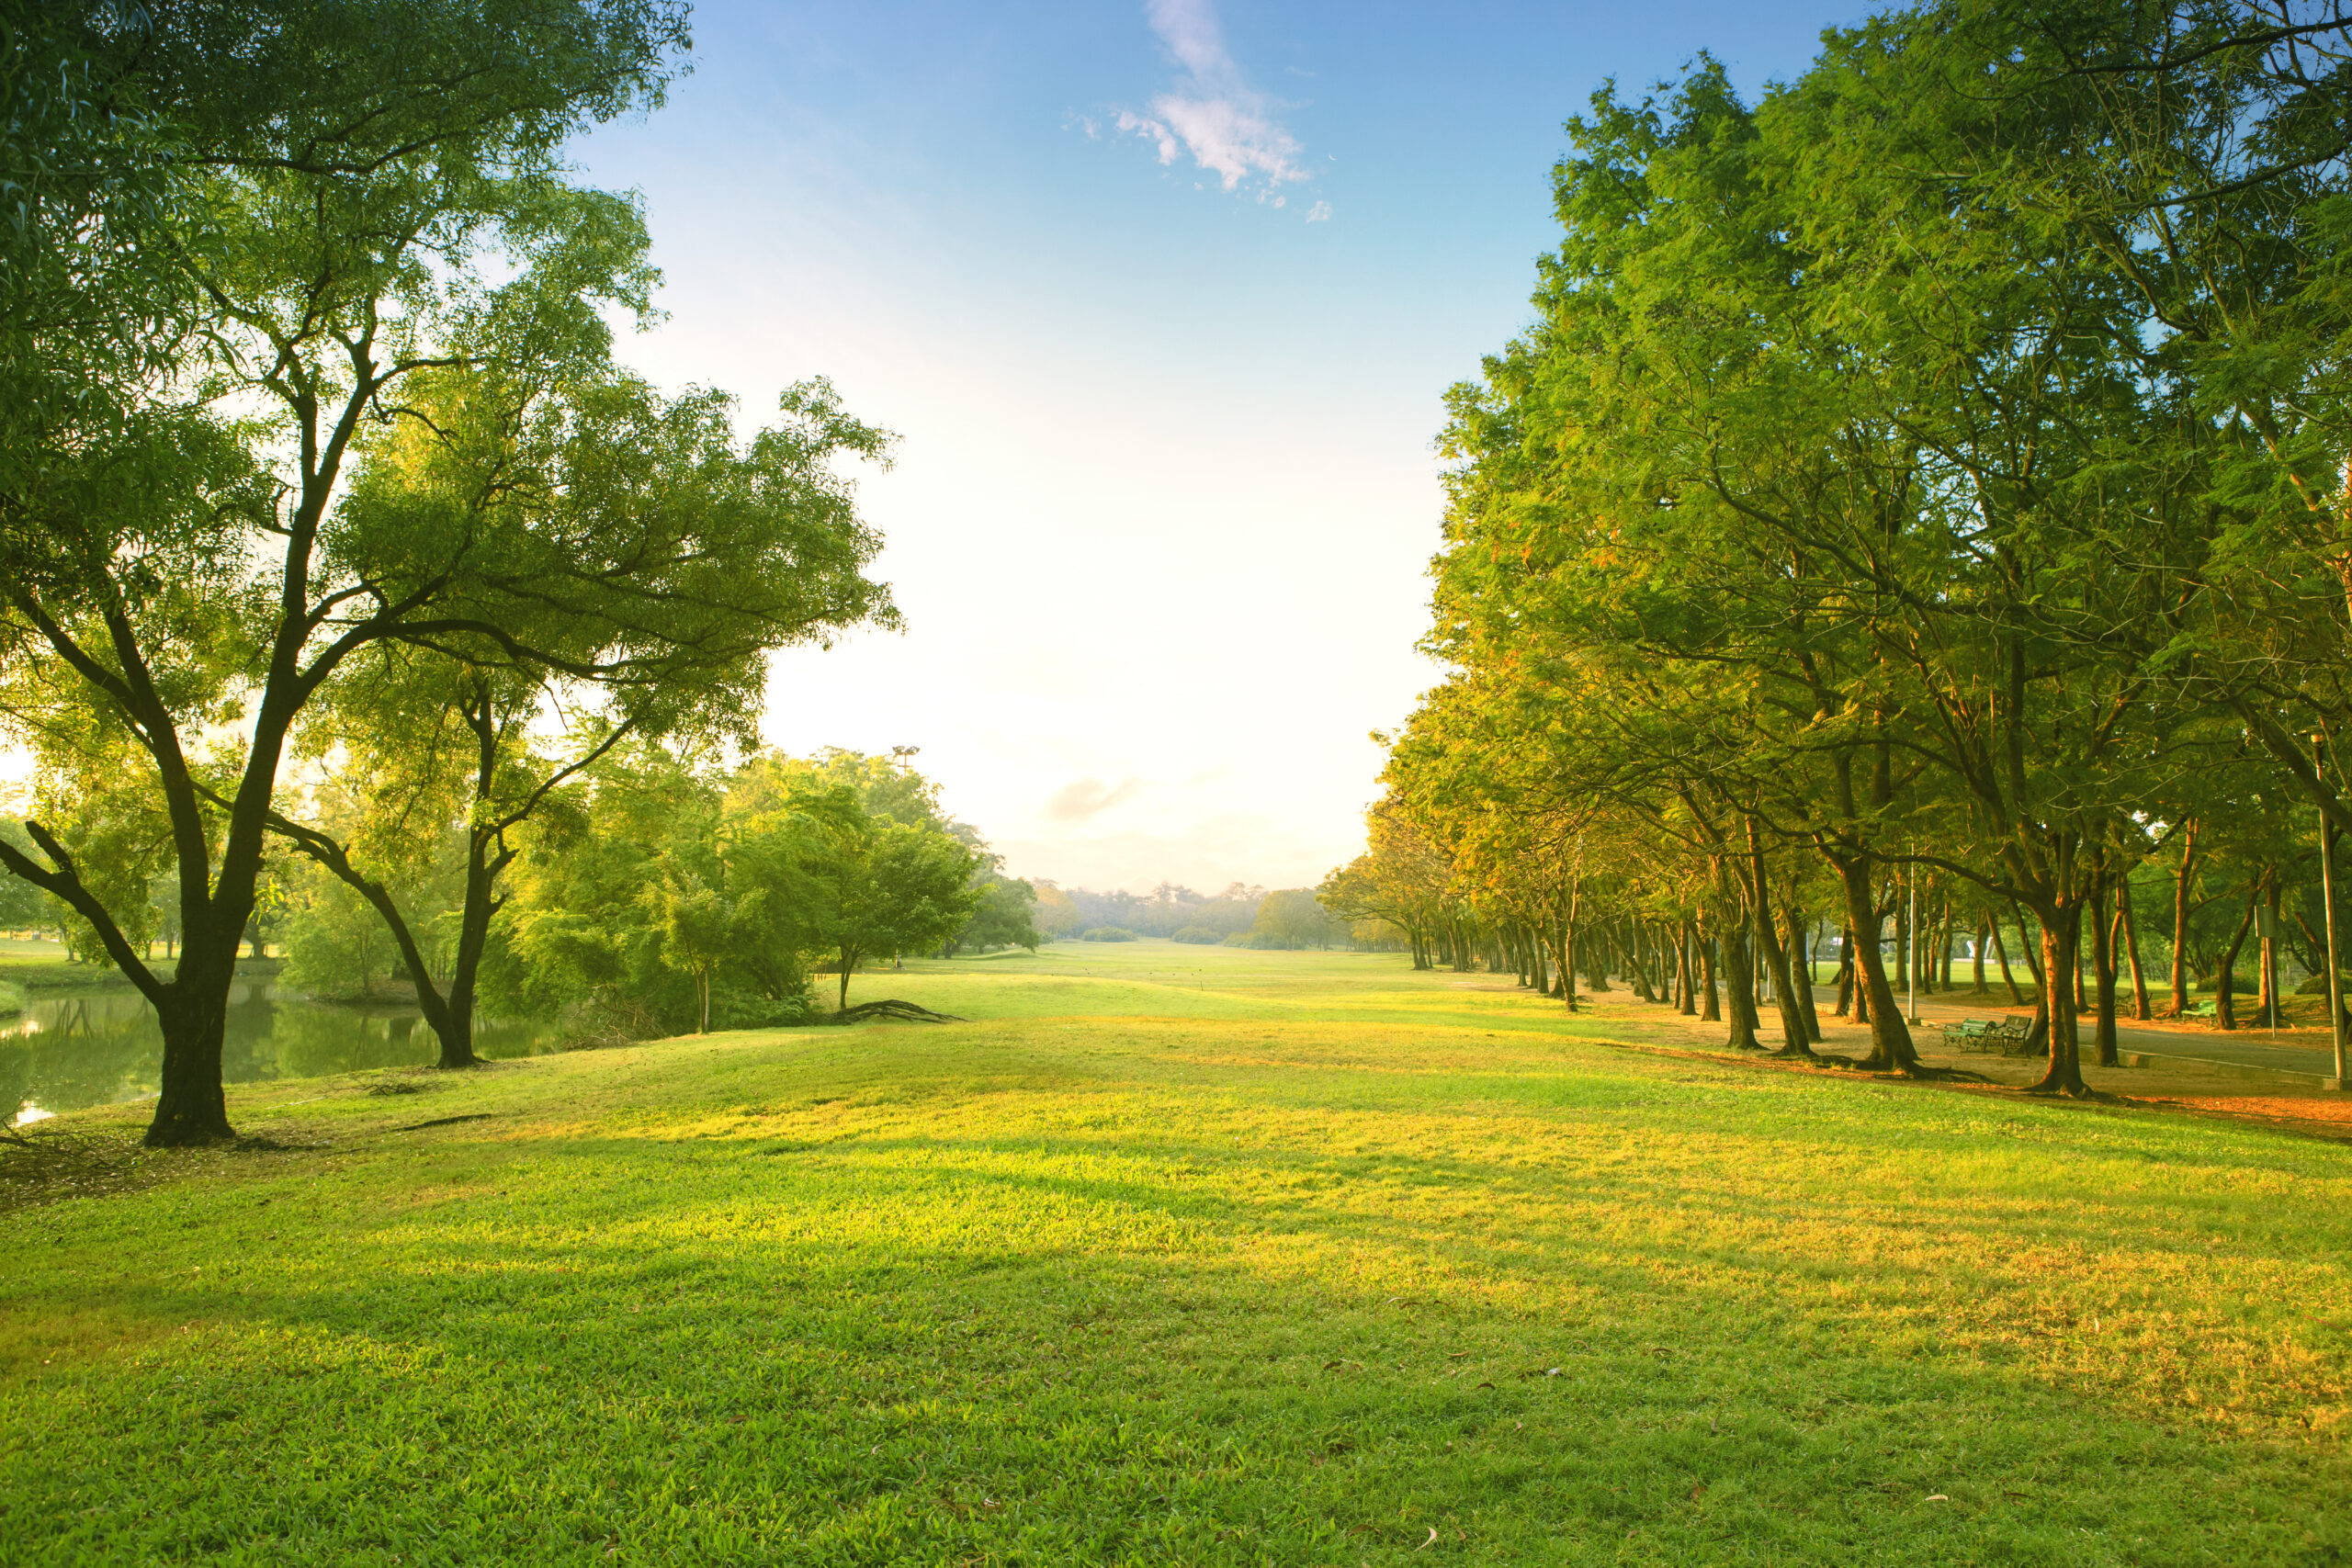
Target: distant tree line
{"points": [[1240, 915], [1926, 487]]}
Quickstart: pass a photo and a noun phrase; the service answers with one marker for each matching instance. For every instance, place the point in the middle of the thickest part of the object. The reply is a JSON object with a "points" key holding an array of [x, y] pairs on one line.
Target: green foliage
{"points": [[1874, 506], [1198, 935], [889, 888], [359, 398], [653, 872], [1057, 914], [1166, 909], [1004, 917], [884, 788], [581, 940], [1108, 933], [23, 906], [337, 948], [1294, 918]]}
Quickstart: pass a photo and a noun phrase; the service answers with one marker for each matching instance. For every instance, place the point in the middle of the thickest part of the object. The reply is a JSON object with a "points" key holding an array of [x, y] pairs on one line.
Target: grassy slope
{"points": [[1184, 1256]]}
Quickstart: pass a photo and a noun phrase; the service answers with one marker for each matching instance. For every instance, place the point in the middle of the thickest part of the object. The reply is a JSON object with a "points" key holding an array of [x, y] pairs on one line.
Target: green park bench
{"points": [[2209, 1007], [2006, 1035], [2011, 1036]]}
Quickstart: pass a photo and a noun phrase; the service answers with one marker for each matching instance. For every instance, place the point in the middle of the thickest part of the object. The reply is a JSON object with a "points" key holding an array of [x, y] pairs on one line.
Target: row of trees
{"points": [[1242, 916], [315, 457], [1168, 909], [654, 895], [1928, 481]]}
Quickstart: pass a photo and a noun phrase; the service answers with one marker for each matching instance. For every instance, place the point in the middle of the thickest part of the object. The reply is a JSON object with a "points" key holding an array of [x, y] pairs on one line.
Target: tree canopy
{"points": [[316, 374], [1932, 474]]}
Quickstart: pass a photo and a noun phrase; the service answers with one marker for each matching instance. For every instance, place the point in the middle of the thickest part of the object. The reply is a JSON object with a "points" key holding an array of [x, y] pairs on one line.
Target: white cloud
{"points": [[1319, 213], [1150, 130], [1226, 126], [1088, 798]]}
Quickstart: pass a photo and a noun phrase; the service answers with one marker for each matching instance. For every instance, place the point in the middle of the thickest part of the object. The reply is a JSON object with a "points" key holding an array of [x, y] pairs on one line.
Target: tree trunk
{"points": [[1739, 987], [2131, 948], [1976, 986], [193, 1108], [1846, 975], [1890, 1047], [2103, 975], [2180, 920], [1795, 1041], [2001, 952], [1800, 971], [1861, 987], [1686, 1003], [2224, 978], [1713, 1013], [1568, 943], [2060, 935], [2032, 961], [1901, 941]]}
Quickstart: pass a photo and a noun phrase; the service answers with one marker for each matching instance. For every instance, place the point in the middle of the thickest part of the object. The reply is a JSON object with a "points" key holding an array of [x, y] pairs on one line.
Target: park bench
{"points": [[2011, 1036], [2006, 1035], [2206, 1008]]}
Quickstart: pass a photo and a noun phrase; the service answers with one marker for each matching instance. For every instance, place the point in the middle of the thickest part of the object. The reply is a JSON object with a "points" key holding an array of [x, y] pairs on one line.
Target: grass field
{"points": [[1177, 1255]]}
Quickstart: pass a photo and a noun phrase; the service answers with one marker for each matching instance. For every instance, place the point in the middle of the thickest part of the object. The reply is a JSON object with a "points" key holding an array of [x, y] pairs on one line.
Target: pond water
{"points": [[71, 1049]]}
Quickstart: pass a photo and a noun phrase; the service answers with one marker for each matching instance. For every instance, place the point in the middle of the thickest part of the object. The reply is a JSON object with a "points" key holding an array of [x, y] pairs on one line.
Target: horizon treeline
{"points": [[1242, 915], [1924, 485]]}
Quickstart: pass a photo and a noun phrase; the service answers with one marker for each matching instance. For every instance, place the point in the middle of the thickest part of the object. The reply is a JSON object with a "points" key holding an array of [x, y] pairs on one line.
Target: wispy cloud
{"points": [[1319, 213], [1213, 115], [1087, 797]]}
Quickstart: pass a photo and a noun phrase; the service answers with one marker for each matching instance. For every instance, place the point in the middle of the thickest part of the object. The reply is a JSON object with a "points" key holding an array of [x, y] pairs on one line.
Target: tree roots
{"points": [[906, 1012]]}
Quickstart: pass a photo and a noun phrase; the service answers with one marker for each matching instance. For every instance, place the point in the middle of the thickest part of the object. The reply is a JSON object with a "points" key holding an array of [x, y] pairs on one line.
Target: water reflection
{"points": [[95, 1047]]}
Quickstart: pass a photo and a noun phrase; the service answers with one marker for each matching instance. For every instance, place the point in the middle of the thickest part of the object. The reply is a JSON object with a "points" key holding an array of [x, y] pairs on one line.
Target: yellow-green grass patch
{"points": [[1175, 1255]]}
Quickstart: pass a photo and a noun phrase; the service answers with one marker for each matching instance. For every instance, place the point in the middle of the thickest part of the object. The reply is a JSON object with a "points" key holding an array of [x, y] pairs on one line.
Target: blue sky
{"points": [[1161, 298]]}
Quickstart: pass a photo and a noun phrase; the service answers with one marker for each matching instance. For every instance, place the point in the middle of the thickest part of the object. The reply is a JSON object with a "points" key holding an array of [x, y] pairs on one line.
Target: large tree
{"points": [[693, 556], [357, 195]]}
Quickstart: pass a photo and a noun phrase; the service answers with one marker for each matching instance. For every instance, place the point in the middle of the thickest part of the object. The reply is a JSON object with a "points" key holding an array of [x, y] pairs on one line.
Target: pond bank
{"points": [[97, 1044]]}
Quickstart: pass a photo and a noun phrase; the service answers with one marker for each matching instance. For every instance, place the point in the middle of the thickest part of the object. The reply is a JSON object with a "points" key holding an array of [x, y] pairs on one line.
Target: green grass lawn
{"points": [[1171, 1256]]}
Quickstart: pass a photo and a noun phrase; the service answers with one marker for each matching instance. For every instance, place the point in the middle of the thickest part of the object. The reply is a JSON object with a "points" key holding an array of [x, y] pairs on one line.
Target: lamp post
{"points": [[2327, 901], [2266, 933], [1911, 942]]}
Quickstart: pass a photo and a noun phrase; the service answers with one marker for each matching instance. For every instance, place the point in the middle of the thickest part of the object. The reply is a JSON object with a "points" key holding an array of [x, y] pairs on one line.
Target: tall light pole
{"points": [[1911, 944], [2327, 900]]}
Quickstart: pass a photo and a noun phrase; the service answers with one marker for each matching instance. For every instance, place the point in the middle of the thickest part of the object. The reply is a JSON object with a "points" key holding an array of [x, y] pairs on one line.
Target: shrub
{"points": [[1199, 935], [1107, 934]]}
